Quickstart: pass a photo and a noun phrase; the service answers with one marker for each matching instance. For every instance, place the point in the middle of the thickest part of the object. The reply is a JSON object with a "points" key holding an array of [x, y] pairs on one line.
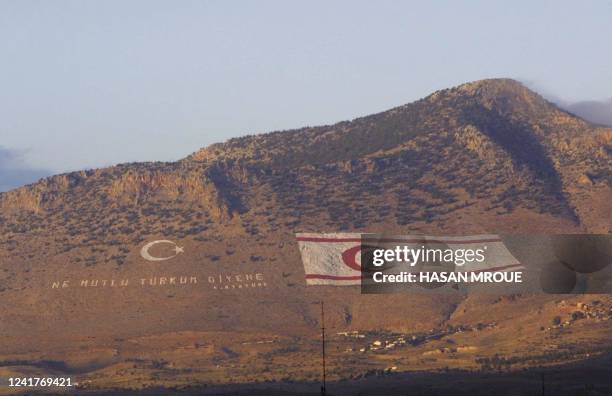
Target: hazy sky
{"points": [[92, 83]]}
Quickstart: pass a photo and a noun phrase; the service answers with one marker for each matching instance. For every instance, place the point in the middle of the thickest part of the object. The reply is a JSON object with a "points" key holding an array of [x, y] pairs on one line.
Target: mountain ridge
{"points": [[488, 89], [497, 114]]}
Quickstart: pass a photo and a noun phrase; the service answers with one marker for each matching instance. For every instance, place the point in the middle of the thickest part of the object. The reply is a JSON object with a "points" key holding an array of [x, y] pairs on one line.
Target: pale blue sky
{"points": [[93, 83]]}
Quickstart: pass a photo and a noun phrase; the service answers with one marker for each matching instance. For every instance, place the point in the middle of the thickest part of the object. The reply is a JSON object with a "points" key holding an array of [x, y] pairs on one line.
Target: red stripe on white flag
{"points": [[335, 259]]}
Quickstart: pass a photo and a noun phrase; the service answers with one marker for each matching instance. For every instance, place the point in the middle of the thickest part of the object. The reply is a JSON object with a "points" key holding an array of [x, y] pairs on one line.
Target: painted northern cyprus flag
{"points": [[335, 259], [331, 259]]}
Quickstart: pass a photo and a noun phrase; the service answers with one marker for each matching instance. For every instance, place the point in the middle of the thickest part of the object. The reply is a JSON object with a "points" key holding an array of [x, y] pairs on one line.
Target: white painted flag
{"points": [[335, 259], [331, 259]]}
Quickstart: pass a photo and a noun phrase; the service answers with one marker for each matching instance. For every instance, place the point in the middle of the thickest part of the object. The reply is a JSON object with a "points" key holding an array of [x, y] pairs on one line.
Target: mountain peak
{"points": [[490, 87], [500, 88], [504, 95], [493, 83], [502, 107]]}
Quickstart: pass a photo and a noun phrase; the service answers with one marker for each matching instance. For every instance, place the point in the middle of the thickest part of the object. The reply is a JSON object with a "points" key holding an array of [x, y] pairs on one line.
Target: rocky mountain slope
{"points": [[487, 156]]}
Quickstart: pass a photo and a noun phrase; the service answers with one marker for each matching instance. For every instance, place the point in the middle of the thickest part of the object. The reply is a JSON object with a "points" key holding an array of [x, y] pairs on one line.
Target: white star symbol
{"points": [[178, 249]]}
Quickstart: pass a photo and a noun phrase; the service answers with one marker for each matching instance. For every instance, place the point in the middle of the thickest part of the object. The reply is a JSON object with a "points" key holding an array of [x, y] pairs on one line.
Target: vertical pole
{"points": [[323, 390]]}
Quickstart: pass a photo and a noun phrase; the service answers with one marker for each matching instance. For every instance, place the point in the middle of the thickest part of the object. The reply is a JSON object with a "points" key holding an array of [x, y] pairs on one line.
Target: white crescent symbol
{"points": [[144, 252]]}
